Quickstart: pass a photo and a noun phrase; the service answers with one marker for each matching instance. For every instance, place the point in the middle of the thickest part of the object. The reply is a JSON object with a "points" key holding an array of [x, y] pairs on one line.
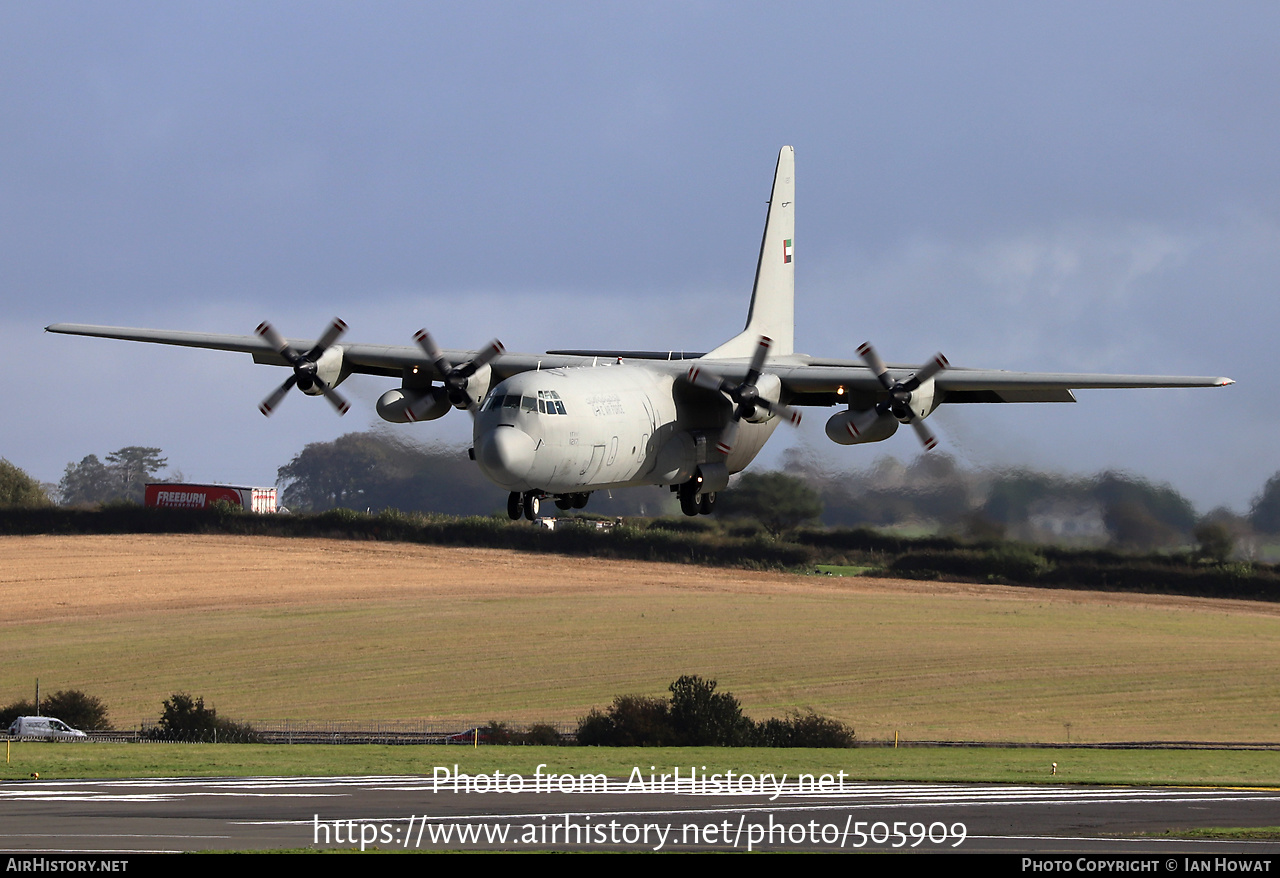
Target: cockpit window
{"points": [[549, 402]]}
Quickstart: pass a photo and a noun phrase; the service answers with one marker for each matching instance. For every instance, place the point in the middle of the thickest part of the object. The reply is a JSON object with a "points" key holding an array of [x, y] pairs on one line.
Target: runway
{"points": [[414, 813]]}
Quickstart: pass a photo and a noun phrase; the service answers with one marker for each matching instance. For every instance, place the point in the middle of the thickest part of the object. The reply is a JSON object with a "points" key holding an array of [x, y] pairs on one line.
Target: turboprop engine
{"points": [[907, 402], [315, 373]]}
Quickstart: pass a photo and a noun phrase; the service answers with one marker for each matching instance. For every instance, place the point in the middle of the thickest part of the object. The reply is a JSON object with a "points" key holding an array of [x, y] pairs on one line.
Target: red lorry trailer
{"points": [[203, 496]]}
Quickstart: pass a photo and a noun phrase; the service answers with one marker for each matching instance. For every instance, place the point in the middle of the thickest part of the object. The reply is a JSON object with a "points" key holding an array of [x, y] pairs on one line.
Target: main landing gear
{"points": [[529, 504], [572, 501], [693, 501]]}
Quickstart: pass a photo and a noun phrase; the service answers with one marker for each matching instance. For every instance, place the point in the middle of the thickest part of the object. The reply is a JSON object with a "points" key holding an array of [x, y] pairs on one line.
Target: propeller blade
{"points": [[728, 436], [269, 404], [700, 378], [494, 349], [304, 367], [931, 368], [433, 352], [898, 403], [786, 412], [276, 340], [875, 364], [927, 438], [334, 397], [336, 328], [791, 415], [757, 360]]}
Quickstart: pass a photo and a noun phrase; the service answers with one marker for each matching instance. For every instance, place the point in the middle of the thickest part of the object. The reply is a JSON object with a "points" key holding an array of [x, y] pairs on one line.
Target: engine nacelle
{"points": [[404, 406], [852, 427], [328, 369], [770, 388]]}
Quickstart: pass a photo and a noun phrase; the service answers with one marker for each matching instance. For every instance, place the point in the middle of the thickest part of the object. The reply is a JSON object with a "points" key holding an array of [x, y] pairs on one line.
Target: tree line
{"points": [[375, 471]]}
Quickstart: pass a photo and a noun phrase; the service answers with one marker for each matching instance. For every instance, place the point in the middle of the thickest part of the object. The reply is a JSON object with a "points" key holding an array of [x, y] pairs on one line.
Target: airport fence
{"points": [[357, 732]]}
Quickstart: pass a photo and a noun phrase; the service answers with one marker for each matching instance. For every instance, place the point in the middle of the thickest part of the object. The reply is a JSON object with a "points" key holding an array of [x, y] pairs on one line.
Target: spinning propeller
{"points": [[304, 367], [745, 396], [455, 378], [899, 402]]}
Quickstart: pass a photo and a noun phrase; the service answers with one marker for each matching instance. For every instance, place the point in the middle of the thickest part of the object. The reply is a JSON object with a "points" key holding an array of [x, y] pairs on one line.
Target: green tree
{"points": [[778, 501], [185, 718], [86, 482], [631, 721], [376, 471], [15, 709], [78, 710], [1140, 515], [132, 467], [123, 477], [703, 717], [1265, 515], [19, 489], [1216, 541]]}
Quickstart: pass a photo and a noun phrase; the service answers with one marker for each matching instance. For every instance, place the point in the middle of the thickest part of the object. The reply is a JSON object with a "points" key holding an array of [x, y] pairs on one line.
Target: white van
{"points": [[43, 727]]}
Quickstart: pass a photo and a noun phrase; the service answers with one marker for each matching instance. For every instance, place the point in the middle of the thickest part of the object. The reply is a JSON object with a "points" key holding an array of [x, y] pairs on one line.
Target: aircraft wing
{"points": [[367, 359], [807, 380], [829, 383]]}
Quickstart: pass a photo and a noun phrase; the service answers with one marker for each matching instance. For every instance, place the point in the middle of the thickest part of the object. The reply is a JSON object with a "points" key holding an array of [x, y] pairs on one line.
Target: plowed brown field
{"points": [[269, 629]]}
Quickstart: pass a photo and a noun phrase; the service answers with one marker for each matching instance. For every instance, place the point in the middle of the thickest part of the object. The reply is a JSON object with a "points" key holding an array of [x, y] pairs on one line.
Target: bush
{"points": [[697, 715], [73, 707], [10, 712], [804, 730], [19, 489], [702, 717], [543, 734], [631, 721], [187, 719], [78, 710]]}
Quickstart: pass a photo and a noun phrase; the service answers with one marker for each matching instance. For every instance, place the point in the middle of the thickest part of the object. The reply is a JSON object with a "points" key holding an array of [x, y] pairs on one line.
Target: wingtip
{"points": [[1223, 382]]}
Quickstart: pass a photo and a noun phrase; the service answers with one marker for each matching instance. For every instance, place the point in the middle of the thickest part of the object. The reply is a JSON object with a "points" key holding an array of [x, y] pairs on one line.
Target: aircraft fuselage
{"points": [[571, 430]]}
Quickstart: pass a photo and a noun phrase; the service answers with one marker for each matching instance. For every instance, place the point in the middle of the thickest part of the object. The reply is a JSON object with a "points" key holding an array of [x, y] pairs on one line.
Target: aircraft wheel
{"points": [[532, 504], [515, 505], [708, 504], [580, 500], [690, 500], [564, 501]]}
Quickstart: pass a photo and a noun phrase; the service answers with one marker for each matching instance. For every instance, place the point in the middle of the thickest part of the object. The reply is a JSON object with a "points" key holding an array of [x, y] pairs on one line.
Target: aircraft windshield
{"points": [[547, 402]]}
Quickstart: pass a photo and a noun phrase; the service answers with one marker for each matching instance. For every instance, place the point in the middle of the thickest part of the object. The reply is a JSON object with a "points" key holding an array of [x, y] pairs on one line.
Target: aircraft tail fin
{"points": [[773, 297]]}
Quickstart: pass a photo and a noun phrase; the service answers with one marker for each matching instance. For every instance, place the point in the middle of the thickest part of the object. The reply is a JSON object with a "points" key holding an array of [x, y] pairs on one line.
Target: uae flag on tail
{"points": [[786, 251]]}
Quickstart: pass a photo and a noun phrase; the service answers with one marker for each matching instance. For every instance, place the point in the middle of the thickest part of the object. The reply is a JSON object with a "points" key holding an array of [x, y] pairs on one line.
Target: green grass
{"points": [[844, 569], [1259, 833], [953, 764]]}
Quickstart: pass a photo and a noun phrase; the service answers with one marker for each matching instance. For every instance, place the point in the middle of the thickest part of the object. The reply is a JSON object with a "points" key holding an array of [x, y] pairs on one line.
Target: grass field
{"points": [[956, 764], [269, 629]]}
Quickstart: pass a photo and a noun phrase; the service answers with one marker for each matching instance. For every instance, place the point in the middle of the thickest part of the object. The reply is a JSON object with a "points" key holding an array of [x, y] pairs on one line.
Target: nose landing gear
{"points": [[527, 504]]}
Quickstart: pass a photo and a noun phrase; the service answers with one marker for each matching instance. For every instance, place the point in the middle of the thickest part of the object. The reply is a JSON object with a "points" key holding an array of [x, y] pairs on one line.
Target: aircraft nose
{"points": [[506, 455]]}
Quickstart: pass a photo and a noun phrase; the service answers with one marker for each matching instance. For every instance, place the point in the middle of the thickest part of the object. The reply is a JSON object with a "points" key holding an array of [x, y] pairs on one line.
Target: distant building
{"points": [[1068, 520]]}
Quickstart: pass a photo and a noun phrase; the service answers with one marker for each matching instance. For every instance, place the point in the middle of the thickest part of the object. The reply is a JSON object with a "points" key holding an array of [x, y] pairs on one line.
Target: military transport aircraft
{"points": [[565, 423]]}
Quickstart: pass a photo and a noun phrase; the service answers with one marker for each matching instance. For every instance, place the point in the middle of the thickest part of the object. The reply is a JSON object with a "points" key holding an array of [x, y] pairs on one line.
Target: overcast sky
{"points": [[1030, 186]]}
